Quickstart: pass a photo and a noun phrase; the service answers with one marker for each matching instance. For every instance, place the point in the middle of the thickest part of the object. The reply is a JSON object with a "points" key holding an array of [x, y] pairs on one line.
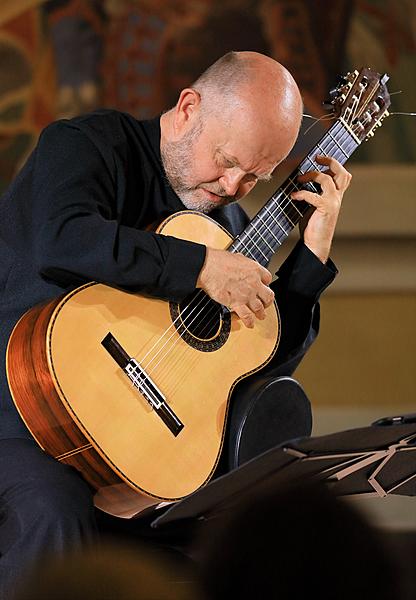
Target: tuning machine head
{"points": [[377, 123], [339, 92]]}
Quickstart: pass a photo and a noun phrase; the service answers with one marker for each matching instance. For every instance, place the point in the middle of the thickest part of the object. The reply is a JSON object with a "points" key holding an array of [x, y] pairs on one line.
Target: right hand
{"points": [[237, 282]]}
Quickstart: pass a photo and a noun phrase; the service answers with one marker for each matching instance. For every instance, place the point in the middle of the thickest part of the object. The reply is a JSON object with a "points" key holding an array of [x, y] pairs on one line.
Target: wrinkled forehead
{"points": [[260, 140]]}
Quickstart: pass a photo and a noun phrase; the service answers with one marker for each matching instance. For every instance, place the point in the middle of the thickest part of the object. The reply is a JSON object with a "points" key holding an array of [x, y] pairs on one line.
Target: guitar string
{"points": [[269, 230], [351, 115], [326, 148], [270, 217], [215, 306], [337, 145], [248, 250], [250, 240]]}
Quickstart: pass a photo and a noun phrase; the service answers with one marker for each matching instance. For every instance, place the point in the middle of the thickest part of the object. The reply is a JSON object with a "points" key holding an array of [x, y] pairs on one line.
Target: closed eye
{"points": [[227, 163]]}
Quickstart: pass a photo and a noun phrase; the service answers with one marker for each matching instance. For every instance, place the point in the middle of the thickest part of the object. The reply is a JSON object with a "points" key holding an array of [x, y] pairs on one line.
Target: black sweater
{"points": [[78, 211]]}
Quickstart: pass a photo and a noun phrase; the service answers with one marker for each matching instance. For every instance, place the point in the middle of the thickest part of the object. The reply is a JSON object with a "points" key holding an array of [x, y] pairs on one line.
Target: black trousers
{"points": [[47, 508]]}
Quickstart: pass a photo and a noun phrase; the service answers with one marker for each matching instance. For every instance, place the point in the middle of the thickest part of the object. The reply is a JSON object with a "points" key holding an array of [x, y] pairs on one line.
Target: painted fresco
{"points": [[65, 57]]}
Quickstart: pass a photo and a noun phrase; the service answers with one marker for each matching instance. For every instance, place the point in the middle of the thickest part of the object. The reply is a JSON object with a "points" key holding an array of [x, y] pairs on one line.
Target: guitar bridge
{"points": [[141, 381]]}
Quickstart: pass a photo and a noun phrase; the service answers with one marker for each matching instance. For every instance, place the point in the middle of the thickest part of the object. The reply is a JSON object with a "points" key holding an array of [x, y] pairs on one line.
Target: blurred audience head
{"points": [[107, 572], [295, 543]]}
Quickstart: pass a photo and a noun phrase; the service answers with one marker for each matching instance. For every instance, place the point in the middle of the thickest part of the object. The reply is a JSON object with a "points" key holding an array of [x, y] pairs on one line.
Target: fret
{"points": [[240, 241], [350, 131], [295, 185], [252, 241], [279, 225], [278, 241], [285, 214], [276, 222], [293, 204], [327, 152], [304, 169], [321, 149], [262, 237], [336, 142], [260, 218], [287, 220], [313, 163]]}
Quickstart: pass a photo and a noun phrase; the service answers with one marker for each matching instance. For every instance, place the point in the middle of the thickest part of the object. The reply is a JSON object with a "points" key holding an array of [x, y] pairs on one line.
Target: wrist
{"points": [[321, 252], [202, 273]]}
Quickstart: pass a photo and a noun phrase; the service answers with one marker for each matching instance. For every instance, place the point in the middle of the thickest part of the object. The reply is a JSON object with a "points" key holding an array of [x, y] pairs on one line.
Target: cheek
{"points": [[205, 175], [203, 167]]}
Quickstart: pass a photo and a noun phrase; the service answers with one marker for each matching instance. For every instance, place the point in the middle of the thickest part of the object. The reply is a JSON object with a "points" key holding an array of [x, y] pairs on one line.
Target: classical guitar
{"points": [[134, 391]]}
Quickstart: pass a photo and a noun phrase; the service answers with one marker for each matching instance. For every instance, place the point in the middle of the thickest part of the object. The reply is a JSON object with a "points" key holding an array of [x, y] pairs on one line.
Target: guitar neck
{"points": [[273, 223]]}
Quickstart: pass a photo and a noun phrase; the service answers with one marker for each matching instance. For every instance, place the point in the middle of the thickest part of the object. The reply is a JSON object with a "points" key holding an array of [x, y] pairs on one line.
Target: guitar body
{"points": [[82, 408]]}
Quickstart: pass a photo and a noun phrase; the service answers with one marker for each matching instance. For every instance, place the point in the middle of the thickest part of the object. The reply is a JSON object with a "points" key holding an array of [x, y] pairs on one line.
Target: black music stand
{"points": [[370, 461]]}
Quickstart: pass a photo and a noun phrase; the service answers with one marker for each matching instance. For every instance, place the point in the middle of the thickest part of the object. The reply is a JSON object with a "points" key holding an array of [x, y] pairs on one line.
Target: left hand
{"points": [[320, 228]]}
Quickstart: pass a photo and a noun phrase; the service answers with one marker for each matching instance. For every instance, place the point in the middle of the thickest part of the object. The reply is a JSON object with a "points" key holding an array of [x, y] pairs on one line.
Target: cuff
{"points": [[183, 264], [304, 274]]}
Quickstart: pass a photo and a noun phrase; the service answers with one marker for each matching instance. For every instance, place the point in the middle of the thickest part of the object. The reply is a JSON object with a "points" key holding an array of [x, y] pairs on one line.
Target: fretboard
{"points": [[273, 223]]}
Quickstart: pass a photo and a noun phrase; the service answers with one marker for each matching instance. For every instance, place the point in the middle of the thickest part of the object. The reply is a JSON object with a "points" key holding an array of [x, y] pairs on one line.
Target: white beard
{"points": [[178, 159]]}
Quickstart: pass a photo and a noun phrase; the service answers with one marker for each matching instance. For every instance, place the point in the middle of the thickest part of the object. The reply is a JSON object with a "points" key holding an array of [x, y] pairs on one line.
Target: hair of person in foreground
{"points": [[108, 571], [295, 542]]}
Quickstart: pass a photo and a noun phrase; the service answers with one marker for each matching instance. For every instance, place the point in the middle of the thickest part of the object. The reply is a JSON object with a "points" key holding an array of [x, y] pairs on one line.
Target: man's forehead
{"points": [[268, 132], [261, 142], [249, 162]]}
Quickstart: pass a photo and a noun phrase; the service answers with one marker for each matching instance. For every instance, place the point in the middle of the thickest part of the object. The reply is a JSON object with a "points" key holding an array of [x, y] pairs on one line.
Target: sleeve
{"points": [[300, 281], [78, 235]]}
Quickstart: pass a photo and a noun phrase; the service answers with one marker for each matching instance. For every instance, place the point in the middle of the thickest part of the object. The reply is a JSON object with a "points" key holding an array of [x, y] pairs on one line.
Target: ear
{"points": [[186, 111]]}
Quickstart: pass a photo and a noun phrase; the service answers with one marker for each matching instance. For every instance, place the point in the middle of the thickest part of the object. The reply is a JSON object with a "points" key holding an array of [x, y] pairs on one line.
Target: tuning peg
{"points": [[333, 94], [337, 93], [351, 77], [380, 101]]}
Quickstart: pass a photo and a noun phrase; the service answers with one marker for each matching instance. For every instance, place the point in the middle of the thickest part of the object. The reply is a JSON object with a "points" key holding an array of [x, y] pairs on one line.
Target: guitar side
{"points": [[83, 410]]}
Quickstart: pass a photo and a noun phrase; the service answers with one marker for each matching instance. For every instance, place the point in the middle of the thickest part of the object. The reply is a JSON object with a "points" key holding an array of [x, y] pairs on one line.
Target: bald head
{"points": [[257, 85], [234, 72]]}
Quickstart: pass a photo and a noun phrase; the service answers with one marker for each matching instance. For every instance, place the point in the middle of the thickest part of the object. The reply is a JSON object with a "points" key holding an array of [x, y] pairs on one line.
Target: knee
{"points": [[65, 498]]}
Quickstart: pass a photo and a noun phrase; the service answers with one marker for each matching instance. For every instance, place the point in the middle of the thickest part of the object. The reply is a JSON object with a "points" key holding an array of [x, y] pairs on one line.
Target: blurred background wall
{"points": [[64, 57]]}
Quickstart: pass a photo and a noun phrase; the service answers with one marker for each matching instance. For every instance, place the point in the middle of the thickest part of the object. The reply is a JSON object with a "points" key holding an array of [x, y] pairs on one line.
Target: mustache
{"points": [[219, 191]]}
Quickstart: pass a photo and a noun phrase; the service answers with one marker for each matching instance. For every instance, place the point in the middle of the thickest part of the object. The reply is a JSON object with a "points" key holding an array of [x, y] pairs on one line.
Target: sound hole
{"points": [[201, 322]]}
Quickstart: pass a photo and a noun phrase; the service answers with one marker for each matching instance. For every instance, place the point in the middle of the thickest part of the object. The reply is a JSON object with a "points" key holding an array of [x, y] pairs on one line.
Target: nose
{"points": [[231, 180]]}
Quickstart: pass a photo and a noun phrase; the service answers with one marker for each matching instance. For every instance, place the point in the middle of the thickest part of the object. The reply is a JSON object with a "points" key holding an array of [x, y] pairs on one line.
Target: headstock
{"points": [[361, 102]]}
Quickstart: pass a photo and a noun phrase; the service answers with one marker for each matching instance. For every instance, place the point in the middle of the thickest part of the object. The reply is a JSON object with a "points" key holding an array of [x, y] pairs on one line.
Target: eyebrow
{"points": [[267, 177], [232, 159]]}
